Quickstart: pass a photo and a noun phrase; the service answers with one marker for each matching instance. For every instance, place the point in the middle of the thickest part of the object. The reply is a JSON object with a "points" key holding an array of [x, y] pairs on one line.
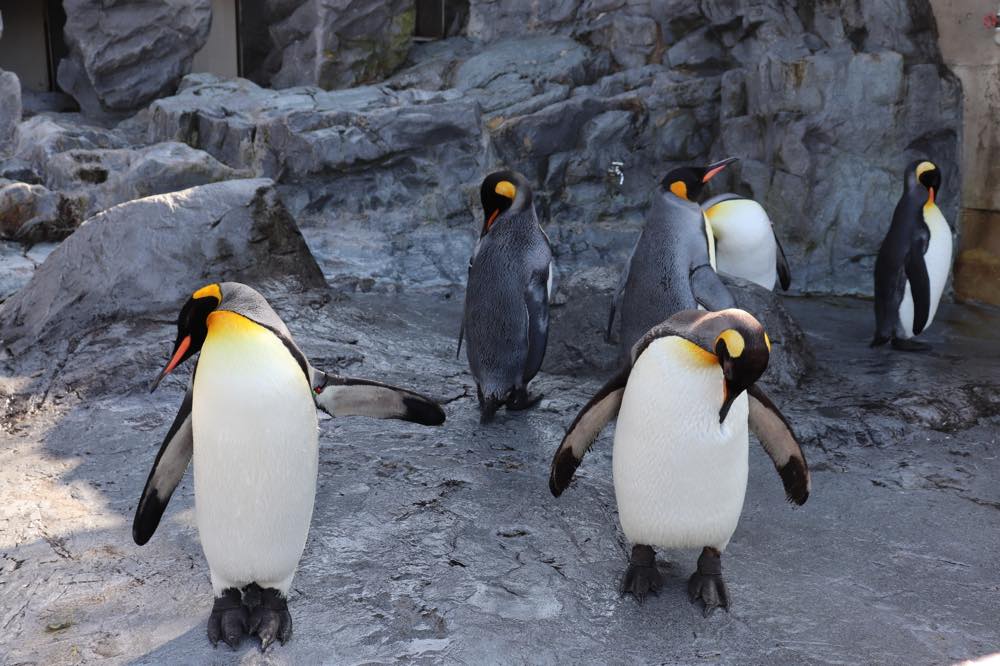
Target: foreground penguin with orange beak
{"points": [[249, 421], [672, 267], [684, 405]]}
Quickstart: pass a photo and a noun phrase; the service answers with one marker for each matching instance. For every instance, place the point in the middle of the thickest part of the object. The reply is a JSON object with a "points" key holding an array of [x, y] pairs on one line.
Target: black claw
{"points": [[271, 619], [904, 344], [707, 584], [228, 620], [520, 399], [642, 576]]}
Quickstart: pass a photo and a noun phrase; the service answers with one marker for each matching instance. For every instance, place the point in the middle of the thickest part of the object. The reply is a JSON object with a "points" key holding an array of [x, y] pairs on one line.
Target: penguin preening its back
{"points": [[672, 266], [913, 263], [684, 404], [248, 420], [746, 245], [506, 317]]}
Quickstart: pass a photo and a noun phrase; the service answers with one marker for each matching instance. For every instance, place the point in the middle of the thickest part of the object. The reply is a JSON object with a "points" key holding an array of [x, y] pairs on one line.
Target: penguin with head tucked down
{"points": [[746, 245], [684, 405], [249, 422], [913, 262], [506, 318], [672, 266]]}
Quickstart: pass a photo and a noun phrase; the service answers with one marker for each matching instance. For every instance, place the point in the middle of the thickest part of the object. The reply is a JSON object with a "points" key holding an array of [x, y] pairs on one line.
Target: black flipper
{"points": [[536, 301], [777, 438], [708, 289], [585, 428], [616, 301], [171, 462], [784, 275], [346, 396], [920, 283]]}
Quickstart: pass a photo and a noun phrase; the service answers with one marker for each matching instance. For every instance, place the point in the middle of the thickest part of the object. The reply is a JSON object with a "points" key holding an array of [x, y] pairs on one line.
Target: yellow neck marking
{"points": [[227, 322], [699, 355]]}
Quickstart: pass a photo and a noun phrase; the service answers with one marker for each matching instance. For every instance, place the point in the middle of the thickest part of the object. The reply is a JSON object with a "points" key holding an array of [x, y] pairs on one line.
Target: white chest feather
{"points": [[745, 245], [937, 258], [680, 477], [255, 454]]}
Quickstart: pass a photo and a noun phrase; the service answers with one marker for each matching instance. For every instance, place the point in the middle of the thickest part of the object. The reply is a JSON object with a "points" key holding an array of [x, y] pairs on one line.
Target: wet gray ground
{"points": [[444, 545]]}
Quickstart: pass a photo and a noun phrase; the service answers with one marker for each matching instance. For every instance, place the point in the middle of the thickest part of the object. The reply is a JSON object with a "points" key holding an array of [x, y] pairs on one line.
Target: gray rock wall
{"points": [[123, 55]]}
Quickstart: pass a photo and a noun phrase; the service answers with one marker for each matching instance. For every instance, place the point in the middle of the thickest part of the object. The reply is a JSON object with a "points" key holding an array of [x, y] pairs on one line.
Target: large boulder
{"points": [[104, 178], [147, 255], [124, 54], [38, 139], [340, 43]]}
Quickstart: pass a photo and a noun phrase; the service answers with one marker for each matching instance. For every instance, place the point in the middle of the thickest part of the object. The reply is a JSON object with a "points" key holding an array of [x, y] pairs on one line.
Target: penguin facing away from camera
{"points": [[746, 245], [672, 266], [248, 420], [506, 317], [913, 263], [684, 405]]}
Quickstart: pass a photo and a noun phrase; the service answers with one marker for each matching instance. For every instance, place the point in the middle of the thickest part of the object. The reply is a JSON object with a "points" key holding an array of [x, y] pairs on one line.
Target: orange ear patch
{"points": [[679, 188], [209, 290]]}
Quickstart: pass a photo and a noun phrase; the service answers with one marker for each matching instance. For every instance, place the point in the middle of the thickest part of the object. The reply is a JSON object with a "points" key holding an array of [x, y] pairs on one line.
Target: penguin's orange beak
{"points": [[713, 169], [930, 195], [492, 219], [182, 348]]}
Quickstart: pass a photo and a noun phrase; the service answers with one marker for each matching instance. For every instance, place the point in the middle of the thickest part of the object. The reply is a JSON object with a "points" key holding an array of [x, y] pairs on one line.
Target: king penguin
{"points": [[913, 262], [684, 405], [745, 243], [506, 318], [249, 422], [672, 266]]}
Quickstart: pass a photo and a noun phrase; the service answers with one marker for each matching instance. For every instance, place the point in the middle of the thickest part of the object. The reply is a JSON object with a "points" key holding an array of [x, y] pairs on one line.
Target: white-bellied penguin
{"points": [[745, 243], [506, 318], [249, 421], [913, 263], [672, 266], [684, 404]]}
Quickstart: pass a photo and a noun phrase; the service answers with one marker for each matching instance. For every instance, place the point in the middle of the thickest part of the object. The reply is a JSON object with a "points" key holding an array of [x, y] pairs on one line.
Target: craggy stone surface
{"points": [[444, 545], [32, 213], [10, 109], [123, 54], [149, 252]]}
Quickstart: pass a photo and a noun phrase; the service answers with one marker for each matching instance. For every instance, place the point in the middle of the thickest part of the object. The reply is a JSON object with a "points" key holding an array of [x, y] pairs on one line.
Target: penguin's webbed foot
{"points": [[706, 583], [902, 344], [642, 576], [520, 399], [269, 616], [228, 620]]}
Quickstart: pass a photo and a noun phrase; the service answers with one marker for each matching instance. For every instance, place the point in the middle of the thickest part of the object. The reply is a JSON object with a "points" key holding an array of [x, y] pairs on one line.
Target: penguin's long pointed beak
{"points": [[182, 348], [930, 195], [729, 396], [712, 170]]}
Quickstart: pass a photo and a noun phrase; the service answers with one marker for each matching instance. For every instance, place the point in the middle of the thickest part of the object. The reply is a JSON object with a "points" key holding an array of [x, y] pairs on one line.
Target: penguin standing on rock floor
{"points": [[745, 243], [913, 263], [506, 318], [672, 266], [681, 444], [249, 421]]}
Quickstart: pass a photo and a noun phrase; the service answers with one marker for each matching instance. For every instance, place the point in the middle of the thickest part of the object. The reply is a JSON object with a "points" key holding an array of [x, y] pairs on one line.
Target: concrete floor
{"points": [[443, 545]]}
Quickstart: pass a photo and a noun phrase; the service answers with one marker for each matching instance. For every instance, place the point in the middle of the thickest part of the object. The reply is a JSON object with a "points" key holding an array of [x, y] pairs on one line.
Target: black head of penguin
{"points": [[502, 191], [192, 328], [923, 178], [743, 351], [687, 182]]}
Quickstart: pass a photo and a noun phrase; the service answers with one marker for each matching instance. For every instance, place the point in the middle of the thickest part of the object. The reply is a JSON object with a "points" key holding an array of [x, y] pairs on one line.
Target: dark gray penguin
{"points": [[672, 266], [506, 319]]}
